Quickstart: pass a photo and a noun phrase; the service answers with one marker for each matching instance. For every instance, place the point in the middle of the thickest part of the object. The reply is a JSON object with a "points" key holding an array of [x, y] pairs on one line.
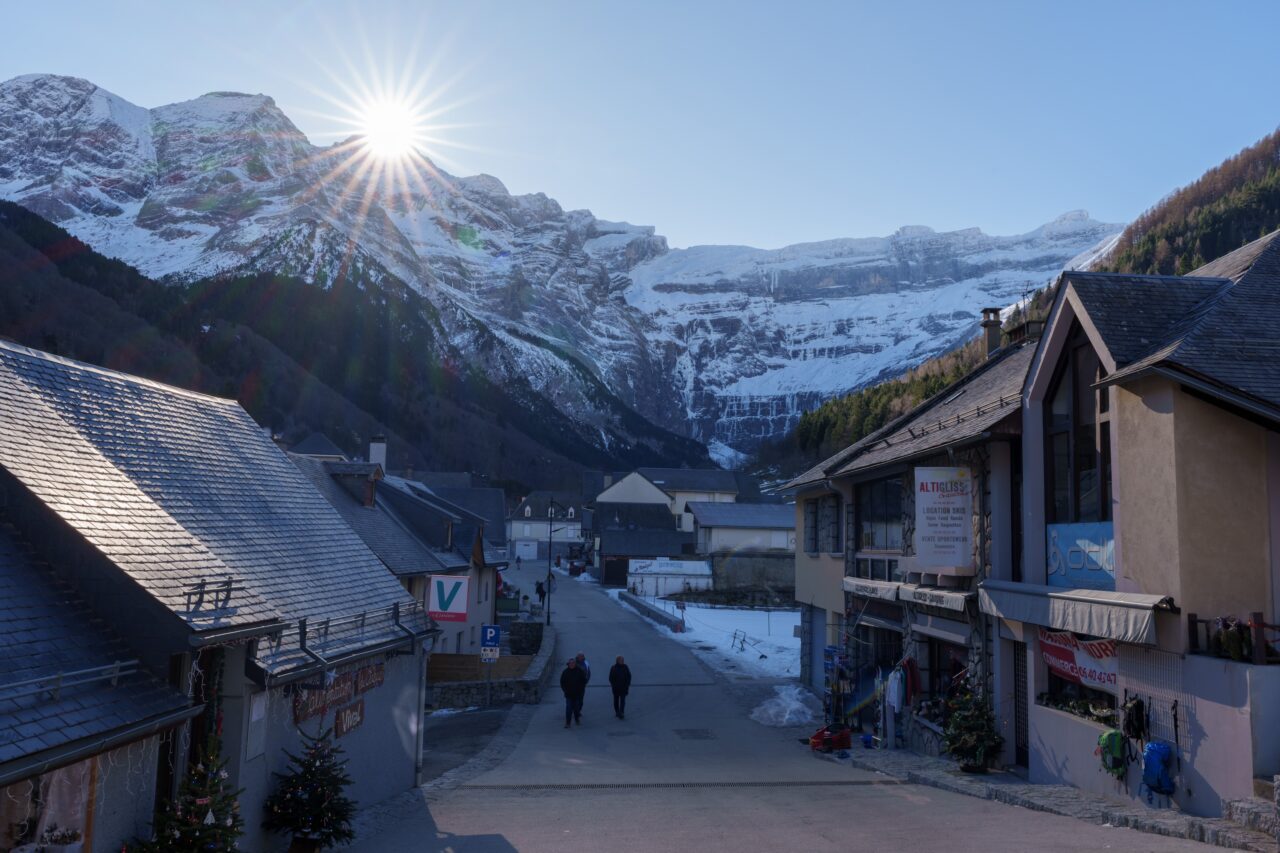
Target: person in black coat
{"points": [[573, 683], [620, 681]]}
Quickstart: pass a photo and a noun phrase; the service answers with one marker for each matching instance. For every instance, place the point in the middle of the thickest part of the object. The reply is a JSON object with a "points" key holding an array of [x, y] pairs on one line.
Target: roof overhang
{"points": [[1127, 617], [1242, 404]]}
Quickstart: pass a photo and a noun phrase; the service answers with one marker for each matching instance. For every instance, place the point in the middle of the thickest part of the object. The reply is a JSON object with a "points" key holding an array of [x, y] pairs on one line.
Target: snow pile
{"points": [[793, 706], [738, 641]]}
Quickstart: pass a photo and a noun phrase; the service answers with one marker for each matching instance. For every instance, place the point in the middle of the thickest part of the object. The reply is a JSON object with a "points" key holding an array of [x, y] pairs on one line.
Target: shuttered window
{"points": [[811, 526], [829, 524]]}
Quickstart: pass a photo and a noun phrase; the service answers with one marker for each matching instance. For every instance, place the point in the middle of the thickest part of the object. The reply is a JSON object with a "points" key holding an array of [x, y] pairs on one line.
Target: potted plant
{"points": [[310, 802], [56, 839], [971, 736]]}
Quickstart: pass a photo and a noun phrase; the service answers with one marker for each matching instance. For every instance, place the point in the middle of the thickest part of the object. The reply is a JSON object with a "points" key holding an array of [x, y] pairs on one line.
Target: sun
{"points": [[391, 129]]}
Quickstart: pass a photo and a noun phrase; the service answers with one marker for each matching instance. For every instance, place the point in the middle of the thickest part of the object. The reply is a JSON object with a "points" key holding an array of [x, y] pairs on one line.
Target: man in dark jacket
{"points": [[620, 681], [573, 683]]}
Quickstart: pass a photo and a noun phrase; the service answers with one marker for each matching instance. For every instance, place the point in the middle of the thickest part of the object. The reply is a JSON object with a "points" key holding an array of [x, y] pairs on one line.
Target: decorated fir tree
{"points": [[971, 737], [205, 816], [310, 802]]}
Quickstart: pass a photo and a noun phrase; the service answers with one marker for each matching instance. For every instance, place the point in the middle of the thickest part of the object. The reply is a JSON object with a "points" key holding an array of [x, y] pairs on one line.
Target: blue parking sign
{"points": [[490, 635]]}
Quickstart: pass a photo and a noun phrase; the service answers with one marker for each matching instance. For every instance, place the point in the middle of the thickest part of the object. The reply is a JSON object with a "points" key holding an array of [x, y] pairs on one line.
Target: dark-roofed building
{"points": [[198, 541], [675, 488], [747, 545], [1149, 526], [546, 525], [74, 702], [886, 534], [460, 539]]}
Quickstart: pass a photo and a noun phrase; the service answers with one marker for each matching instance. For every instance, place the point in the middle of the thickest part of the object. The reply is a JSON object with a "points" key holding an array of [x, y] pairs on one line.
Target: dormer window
{"points": [[571, 512], [528, 512]]}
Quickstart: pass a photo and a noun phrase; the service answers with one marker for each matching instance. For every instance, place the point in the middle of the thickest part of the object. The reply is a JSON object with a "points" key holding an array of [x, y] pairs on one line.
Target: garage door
{"points": [[526, 550]]}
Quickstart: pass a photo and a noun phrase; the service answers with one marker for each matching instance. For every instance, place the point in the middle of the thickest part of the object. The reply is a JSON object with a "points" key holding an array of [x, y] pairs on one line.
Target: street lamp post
{"points": [[551, 505]]}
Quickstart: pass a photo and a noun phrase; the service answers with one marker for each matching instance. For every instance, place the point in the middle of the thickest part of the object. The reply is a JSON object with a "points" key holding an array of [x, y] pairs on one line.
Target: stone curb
{"points": [[1057, 799]]}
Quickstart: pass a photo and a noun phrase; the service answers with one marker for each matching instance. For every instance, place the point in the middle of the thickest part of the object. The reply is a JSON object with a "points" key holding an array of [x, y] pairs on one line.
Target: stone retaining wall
{"points": [[524, 690], [657, 614]]}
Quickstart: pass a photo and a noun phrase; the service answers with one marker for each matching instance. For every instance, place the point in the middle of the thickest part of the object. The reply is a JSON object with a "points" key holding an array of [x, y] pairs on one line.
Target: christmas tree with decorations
{"points": [[310, 802], [206, 815]]}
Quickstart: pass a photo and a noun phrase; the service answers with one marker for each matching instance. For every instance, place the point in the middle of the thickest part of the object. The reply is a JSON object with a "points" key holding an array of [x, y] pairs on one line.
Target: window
{"points": [[528, 512], [571, 512], [1078, 438], [829, 523], [880, 515], [811, 526], [526, 529], [473, 635], [948, 666], [877, 569], [256, 732]]}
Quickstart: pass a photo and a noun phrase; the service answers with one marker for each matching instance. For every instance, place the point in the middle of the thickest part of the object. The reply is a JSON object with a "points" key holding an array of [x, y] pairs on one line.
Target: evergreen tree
{"points": [[206, 814], [310, 801]]}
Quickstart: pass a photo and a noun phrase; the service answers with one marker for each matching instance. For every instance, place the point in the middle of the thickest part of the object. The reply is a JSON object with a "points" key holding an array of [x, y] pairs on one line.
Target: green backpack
{"points": [[1113, 750]]}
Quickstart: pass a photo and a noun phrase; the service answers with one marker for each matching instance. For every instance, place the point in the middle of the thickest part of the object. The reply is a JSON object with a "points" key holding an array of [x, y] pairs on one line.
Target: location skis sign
{"points": [[448, 598], [944, 517]]}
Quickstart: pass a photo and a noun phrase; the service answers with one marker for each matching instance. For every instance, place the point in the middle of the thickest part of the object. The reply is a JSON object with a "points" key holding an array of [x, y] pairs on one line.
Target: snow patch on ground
{"points": [[768, 649], [449, 712], [793, 706]]}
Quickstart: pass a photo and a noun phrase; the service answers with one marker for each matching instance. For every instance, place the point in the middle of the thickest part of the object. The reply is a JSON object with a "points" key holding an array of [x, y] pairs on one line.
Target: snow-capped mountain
{"points": [[725, 344]]}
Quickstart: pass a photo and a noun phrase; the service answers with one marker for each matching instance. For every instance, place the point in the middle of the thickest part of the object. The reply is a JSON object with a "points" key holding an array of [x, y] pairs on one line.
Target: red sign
{"points": [[348, 718], [1092, 663], [344, 687]]}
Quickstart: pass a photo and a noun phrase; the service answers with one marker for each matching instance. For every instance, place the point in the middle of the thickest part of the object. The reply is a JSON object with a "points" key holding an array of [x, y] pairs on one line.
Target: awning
{"points": [[950, 599], [1125, 616], [872, 589]]}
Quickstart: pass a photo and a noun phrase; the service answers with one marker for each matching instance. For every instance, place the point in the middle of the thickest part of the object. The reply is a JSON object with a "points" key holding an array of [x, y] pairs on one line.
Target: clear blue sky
{"points": [[738, 122]]}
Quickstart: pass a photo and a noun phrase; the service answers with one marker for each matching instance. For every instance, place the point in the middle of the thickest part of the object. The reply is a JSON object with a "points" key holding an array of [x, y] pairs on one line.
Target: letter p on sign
{"points": [[448, 598]]}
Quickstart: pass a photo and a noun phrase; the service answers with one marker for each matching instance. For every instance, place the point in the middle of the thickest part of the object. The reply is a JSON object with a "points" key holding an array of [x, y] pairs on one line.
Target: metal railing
{"points": [[55, 684], [1246, 641]]}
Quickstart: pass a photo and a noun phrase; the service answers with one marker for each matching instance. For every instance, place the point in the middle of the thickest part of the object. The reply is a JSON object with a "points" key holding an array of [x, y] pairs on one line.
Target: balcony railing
{"points": [[1249, 642]]}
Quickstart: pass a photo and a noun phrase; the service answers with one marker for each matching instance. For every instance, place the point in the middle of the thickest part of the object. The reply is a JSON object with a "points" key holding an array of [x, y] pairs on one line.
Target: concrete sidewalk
{"points": [[1055, 799]]}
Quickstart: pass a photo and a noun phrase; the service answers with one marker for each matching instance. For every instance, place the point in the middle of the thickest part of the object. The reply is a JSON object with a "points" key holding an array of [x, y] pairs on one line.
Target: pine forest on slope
{"points": [[562, 311]]}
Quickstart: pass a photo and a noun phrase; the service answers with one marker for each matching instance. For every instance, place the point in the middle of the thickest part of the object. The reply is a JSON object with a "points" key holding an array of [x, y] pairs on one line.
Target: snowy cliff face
{"points": [[726, 344]]}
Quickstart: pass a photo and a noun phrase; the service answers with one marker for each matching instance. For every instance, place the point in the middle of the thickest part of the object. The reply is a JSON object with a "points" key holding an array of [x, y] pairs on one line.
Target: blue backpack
{"points": [[1156, 757]]}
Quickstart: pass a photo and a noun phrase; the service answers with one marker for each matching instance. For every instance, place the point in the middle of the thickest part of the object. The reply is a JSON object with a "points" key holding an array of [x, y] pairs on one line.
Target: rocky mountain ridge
{"points": [[725, 344]]}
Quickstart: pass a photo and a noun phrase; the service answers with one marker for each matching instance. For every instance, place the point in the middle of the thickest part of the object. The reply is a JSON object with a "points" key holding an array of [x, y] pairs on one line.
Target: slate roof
{"points": [[761, 516], [644, 543], [1228, 338], [317, 444], [176, 487], [629, 516], [444, 479], [487, 503], [691, 479], [46, 630], [402, 552], [541, 500]]}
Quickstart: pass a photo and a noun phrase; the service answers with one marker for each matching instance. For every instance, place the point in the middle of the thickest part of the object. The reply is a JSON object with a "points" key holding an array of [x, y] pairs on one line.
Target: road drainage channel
{"points": [[591, 786]]}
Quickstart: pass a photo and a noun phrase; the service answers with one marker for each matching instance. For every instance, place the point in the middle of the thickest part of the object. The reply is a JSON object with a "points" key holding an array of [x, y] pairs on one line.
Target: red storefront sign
{"points": [[1092, 663], [348, 718], [344, 687]]}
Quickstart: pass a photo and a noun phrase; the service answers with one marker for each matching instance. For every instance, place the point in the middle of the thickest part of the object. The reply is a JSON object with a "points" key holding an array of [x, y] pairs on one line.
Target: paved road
{"points": [[687, 770]]}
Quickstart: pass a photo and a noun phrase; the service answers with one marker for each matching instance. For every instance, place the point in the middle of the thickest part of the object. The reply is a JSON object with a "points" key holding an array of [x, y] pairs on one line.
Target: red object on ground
{"points": [[831, 738]]}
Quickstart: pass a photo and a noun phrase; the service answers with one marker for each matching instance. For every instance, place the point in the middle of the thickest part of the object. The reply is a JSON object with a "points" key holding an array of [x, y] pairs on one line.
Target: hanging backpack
{"points": [[1156, 757], [1135, 719], [1112, 750]]}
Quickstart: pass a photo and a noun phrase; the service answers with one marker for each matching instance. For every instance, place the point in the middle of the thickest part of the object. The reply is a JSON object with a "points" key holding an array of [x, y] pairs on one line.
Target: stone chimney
{"points": [[378, 451], [991, 329]]}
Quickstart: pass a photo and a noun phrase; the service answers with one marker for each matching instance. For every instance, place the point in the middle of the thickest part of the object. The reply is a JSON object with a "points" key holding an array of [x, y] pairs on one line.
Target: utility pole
{"points": [[550, 533]]}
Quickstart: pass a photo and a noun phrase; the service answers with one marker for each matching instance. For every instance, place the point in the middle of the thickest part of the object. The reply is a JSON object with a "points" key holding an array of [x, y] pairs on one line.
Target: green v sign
{"points": [[448, 598]]}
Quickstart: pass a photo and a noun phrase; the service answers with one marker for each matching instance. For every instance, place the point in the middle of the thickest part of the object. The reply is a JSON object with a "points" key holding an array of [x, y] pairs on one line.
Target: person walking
{"points": [[584, 665], [542, 593], [620, 681], [573, 683]]}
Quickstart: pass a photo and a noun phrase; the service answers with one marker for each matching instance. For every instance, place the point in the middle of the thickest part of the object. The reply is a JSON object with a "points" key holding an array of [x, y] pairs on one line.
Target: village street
{"points": [[688, 770]]}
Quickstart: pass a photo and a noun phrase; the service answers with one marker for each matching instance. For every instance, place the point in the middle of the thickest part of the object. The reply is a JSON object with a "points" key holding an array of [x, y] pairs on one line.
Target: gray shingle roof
{"points": [[175, 487], [489, 504], [771, 516], [380, 529], [644, 543], [540, 501], [1219, 323], [964, 411], [691, 479], [46, 630], [629, 516]]}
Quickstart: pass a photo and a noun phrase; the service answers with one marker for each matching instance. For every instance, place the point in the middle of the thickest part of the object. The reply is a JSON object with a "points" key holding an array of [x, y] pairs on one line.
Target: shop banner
{"points": [[1093, 663], [944, 518], [448, 598]]}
